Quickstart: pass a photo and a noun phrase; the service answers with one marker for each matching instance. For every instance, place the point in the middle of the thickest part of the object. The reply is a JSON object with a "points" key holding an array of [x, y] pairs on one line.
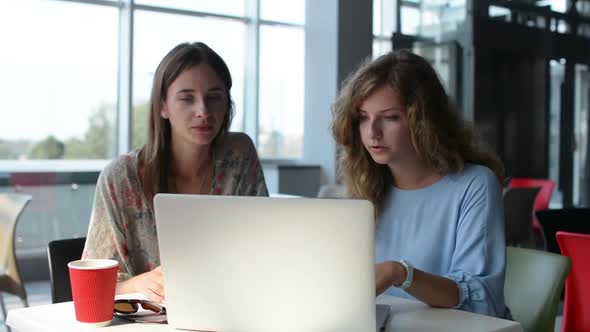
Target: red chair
{"points": [[543, 197], [576, 309]]}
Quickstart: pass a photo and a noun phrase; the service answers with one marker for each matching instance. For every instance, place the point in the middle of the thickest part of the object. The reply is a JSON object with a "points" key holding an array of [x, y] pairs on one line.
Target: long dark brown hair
{"points": [[155, 155], [442, 139]]}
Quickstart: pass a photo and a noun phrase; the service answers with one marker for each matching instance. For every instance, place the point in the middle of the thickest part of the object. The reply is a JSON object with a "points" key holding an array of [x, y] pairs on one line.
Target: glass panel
{"points": [[384, 17], [280, 117], [377, 12], [499, 12], [156, 34], [58, 209], [380, 47], [581, 107], [556, 5], [439, 17], [557, 74], [445, 60], [58, 81], [224, 7], [289, 11], [410, 18]]}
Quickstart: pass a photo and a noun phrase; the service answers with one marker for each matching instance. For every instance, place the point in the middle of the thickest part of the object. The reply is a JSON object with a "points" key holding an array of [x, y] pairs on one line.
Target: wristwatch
{"points": [[409, 275]]}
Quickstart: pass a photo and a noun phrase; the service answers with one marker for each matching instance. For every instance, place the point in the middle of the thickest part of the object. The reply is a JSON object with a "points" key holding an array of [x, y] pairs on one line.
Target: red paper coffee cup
{"points": [[93, 289]]}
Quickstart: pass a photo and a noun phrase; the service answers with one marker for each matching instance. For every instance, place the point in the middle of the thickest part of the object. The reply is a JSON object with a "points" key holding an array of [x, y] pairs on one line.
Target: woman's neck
{"points": [[189, 161], [413, 174]]}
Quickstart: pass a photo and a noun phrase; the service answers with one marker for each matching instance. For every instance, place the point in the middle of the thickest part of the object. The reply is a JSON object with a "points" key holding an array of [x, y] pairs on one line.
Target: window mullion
{"points": [[125, 78], [251, 84]]}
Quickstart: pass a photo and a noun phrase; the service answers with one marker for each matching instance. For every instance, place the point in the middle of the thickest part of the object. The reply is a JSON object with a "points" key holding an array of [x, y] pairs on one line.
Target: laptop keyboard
{"points": [[383, 314]]}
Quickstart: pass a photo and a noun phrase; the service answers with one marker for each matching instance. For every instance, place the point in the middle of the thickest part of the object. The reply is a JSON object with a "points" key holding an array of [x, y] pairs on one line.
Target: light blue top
{"points": [[453, 228]]}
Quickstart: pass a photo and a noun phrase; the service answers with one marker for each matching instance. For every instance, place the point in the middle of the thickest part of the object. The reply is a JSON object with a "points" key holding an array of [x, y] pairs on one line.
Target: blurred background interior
{"points": [[75, 81]]}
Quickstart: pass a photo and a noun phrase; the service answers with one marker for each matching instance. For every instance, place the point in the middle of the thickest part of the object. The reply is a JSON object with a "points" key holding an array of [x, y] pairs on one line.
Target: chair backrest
{"points": [[574, 220], [534, 281], [576, 309], [518, 209], [60, 253], [332, 191], [544, 195], [11, 207]]}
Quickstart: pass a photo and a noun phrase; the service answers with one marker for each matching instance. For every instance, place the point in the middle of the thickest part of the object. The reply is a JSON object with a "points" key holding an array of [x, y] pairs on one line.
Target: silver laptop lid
{"points": [[267, 264]]}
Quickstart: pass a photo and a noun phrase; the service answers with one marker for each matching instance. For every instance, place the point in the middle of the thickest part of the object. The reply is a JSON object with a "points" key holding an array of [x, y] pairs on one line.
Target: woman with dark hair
{"points": [[189, 150], [437, 193]]}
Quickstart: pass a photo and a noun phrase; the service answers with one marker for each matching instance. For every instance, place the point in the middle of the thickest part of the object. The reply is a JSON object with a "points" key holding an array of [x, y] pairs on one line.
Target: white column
{"points": [[338, 37]]}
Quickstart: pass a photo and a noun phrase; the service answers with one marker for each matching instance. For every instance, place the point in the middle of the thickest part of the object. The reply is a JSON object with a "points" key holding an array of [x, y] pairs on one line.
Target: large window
{"points": [[426, 22], [280, 125], [281, 69], [424, 19], [61, 62], [58, 80], [76, 78]]}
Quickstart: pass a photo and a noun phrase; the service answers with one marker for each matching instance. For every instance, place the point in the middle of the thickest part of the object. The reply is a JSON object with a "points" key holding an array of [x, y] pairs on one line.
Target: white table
{"points": [[407, 315]]}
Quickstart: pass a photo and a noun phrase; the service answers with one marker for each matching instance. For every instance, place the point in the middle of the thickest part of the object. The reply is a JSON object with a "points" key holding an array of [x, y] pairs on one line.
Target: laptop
{"points": [[260, 264]]}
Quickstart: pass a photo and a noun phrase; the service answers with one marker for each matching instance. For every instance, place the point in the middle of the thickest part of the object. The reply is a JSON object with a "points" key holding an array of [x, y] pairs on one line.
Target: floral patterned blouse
{"points": [[122, 225]]}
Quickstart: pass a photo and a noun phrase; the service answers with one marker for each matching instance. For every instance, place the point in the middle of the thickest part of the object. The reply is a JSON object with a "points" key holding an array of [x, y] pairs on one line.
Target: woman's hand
{"points": [[388, 274], [150, 284]]}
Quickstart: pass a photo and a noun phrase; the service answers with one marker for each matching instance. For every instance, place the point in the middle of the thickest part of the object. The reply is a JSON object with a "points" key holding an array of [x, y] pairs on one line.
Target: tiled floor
{"points": [[39, 293]]}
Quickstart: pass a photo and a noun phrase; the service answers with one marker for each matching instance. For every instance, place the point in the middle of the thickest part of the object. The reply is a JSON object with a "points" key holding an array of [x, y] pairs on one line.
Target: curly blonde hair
{"points": [[442, 139]]}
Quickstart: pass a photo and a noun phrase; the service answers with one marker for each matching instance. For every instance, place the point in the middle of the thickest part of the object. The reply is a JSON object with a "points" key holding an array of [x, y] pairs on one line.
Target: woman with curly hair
{"points": [[437, 192]]}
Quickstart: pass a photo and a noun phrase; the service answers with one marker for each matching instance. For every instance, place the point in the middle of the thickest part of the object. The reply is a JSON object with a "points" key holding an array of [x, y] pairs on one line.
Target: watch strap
{"points": [[409, 274]]}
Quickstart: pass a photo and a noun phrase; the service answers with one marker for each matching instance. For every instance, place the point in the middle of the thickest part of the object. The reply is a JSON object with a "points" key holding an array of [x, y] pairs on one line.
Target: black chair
{"points": [[60, 253], [518, 212], [574, 220]]}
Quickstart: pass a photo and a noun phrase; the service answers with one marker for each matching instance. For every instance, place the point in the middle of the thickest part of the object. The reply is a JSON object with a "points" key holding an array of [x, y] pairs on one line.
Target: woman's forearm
{"points": [[434, 290]]}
